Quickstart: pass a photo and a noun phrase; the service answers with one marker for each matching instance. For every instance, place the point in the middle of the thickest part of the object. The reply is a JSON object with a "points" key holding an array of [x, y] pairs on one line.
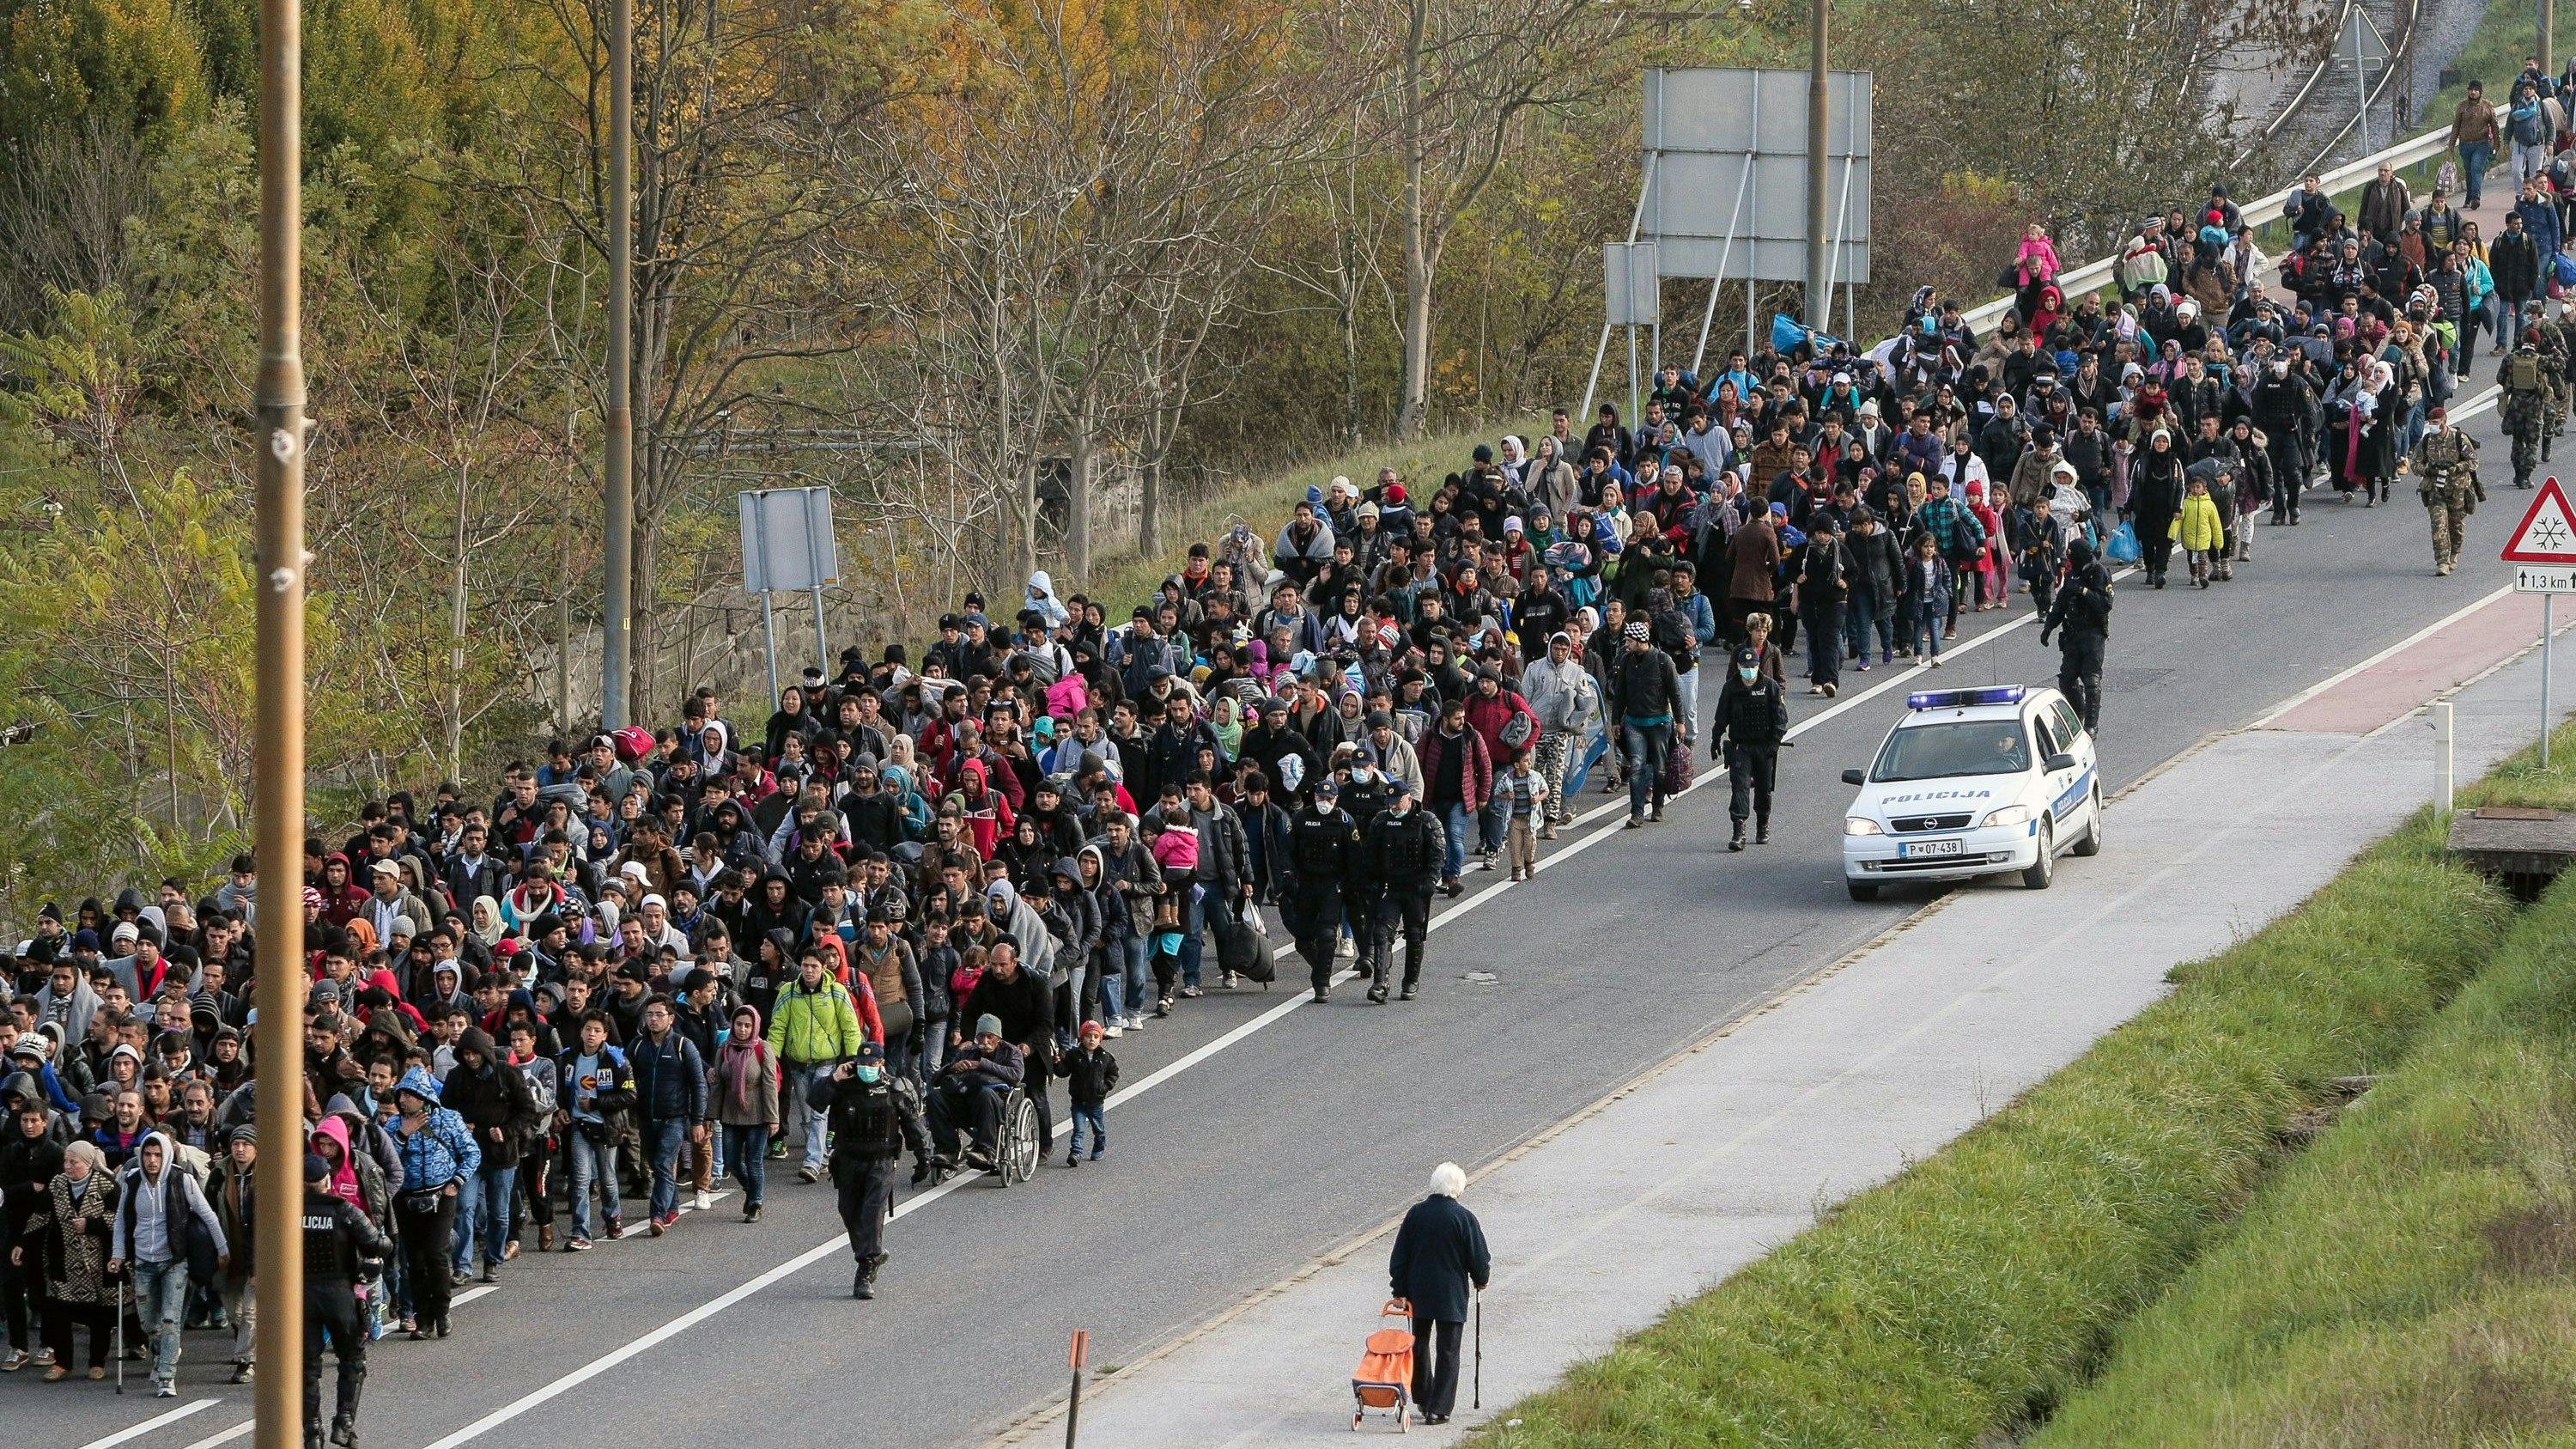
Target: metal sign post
{"points": [[2542, 550]]}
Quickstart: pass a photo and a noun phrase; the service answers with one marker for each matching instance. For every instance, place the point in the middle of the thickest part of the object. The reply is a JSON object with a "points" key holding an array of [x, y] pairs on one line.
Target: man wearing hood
{"points": [[492, 1096], [164, 1225]]}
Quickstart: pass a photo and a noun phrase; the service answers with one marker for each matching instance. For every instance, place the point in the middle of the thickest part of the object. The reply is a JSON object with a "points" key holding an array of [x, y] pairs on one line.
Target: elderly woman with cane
{"points": [[1439, 1253]]}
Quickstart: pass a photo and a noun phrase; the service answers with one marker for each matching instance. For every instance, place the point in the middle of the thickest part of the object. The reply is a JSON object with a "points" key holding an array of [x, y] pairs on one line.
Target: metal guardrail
{"points": [[2094, 274]]}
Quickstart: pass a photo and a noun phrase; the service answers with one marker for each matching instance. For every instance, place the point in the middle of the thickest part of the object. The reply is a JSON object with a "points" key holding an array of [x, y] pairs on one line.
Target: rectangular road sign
{"points": [[2545, 578]]}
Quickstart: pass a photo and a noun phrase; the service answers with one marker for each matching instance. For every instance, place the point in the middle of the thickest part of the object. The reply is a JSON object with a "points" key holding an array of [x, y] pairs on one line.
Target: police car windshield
{"points": [[1953, 747]]}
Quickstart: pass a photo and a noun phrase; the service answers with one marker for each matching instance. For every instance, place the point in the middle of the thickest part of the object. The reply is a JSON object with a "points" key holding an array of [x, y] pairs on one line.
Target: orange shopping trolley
{"points": [[1384, 1379]]}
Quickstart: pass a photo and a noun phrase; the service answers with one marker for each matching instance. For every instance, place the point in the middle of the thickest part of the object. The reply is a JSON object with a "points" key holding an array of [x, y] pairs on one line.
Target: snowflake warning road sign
{"points": [[2547, 534]]}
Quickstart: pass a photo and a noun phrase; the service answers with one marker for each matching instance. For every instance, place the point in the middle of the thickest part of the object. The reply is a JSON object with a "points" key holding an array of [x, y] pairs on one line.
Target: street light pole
{"points": [[1820, 293], [619, 565], [278, 759]]}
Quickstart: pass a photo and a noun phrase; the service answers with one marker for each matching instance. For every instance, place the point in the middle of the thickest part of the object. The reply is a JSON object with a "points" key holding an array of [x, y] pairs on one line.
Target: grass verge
{"points": [[2412, 1280], [1980, 1288], [1129, 579]]}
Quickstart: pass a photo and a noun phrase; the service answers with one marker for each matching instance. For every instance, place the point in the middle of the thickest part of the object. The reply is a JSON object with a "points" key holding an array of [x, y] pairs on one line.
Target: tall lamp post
{"points": [[618, 571], [278, 785]]}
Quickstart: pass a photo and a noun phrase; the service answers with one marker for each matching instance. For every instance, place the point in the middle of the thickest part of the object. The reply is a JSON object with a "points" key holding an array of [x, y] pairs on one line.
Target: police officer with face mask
{"points": [[1323, 852], [1752, 723], [867, 1137]]}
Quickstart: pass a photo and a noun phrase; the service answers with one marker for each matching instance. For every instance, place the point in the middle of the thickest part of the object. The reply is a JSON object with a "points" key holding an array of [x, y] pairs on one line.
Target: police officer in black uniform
{"points": [[2082, 618], [1752, 720], [867, 1136], [1405, 851], [1365, 792], [1323, 851], [342, 1250]]}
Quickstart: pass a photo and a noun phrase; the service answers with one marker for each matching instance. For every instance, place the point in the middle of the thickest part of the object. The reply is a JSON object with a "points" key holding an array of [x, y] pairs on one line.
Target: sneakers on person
{"points": [[1407, 994], [56, 1373], [18, 1358], [164, 1389], [1484, 860], [1134, 1023], [1113, 1031], [616, 1229], [1225, 979], [491, 1272], [243, 1373], [1163, 1007], [807, 1174], [1346, 950], [703, 1201], [1191, 993]]}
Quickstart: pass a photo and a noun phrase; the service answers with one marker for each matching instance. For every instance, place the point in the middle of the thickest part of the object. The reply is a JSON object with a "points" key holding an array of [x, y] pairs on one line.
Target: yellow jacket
{"points": [[2198, 526]]}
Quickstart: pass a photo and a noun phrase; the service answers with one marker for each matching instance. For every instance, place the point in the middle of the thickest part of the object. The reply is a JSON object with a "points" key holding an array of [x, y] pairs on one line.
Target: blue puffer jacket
{"points": [[441, 1152]]}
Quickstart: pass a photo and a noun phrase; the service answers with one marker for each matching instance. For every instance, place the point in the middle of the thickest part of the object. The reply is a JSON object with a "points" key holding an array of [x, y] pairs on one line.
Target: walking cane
{"points": [[117, 1339], [1479, 1401]]}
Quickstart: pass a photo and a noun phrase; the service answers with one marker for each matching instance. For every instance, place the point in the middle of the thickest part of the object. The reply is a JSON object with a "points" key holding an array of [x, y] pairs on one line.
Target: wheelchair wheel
{"points": [[1021, 1148]]}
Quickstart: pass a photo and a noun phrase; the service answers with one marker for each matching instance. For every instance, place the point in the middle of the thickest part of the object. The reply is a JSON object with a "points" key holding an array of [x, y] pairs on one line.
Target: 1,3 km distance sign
{"points": [[2543, 546]]}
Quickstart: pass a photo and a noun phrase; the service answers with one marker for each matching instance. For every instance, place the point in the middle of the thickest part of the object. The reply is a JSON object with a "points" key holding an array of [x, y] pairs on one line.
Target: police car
{"points": [[1974, 782]]}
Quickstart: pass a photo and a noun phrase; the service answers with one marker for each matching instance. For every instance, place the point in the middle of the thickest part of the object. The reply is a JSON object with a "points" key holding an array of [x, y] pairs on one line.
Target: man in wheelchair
{"points": [[969, 1092]]}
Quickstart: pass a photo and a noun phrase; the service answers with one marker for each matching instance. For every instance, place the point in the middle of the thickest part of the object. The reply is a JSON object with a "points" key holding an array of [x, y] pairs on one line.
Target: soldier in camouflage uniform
{"points": [[2554, 356], [2525, 410], [2446, 478]]}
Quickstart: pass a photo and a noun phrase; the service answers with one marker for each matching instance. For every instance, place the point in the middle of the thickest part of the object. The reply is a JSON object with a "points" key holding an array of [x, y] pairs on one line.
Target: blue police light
{"points": [[1964, 698]]}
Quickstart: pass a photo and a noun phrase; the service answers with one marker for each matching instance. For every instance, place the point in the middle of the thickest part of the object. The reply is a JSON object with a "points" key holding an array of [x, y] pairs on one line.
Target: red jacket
{"points": [[1475, 782], [1487, 718]]}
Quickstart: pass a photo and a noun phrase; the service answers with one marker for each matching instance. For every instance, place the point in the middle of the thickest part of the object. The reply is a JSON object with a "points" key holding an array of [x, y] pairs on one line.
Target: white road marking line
{"points": [[469, 1295], [820, 1251], [155, 1422], [227, 1436]]}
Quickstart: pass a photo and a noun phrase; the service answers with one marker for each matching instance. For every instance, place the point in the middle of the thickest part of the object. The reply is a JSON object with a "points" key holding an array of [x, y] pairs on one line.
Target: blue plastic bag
{"points": [[1787, 333], [2124, 548]]}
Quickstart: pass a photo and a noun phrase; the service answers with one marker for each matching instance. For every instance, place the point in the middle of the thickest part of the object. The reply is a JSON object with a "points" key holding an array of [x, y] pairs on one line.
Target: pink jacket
{"points": [[2037, 260]]}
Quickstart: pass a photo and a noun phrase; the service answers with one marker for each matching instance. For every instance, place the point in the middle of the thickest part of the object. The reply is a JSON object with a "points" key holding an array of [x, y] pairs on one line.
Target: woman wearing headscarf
{"points": [[2155, 496], [747, 1076], [65, 1246]]}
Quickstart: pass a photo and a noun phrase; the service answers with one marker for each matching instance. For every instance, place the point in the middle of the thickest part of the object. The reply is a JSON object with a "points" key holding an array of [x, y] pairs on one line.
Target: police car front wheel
{"points": [[1861, 890], [2043, 870]]}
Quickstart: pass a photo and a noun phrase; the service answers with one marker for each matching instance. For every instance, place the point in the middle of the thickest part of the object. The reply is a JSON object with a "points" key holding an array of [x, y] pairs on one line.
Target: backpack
{"points": [[2529, 129], [2522, 371], [539, 1074]]}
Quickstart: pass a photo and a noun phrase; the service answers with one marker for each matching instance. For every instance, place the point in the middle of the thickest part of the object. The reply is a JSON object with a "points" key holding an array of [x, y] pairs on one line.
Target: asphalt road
{"points": [[1311, 1125]]}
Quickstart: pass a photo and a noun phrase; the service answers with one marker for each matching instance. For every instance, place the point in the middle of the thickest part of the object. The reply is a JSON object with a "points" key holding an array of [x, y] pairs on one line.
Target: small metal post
{"points": [[1073, 1407], [2548, 626], [2442, 761]]}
